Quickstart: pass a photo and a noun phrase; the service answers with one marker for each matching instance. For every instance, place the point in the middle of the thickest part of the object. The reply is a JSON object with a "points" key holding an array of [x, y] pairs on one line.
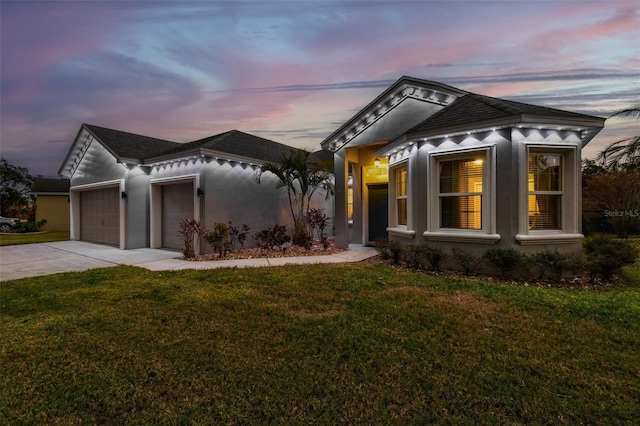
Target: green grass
{"points": [[13, 239], [631, 273], [354, 344]]}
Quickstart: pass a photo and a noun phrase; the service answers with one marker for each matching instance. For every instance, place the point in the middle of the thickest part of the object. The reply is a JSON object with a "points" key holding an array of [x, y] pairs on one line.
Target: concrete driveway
{"points": [[31, 260]]}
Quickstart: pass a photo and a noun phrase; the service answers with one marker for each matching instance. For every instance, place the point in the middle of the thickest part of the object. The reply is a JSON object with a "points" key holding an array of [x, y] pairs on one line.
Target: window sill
{"points": [[529, 239], [401, 232], [462, 237]]}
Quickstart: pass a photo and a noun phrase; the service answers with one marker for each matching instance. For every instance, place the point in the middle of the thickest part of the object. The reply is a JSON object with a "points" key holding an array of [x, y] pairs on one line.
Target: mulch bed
{"points": [[289, 250], [580, 282]]}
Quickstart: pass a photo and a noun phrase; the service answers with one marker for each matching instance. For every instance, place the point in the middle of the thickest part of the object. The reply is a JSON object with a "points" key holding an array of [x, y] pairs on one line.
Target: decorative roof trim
{"points": [[404, 88]]}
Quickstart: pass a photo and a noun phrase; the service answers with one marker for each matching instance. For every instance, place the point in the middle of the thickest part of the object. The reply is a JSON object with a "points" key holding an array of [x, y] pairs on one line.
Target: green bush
{"points": [[468, 261], [550, 262], [24, 227], [414, 255], [435, 256], [389, 249], [605, 255], [218, 238], [504, 260]]}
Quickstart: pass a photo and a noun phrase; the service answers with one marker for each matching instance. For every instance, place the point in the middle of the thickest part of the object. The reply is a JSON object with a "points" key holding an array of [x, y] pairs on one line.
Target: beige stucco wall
{"points": [[55, 209]]}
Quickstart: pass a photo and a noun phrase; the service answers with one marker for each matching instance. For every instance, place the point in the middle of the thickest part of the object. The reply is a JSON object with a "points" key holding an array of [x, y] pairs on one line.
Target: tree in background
{"points": [[611, 184], [15, 190], [625, 153]]}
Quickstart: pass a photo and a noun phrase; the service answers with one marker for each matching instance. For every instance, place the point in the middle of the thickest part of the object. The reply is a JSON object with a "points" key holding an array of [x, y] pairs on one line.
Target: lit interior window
{"points": [[401, 196], [545, 191], [461, 193]]}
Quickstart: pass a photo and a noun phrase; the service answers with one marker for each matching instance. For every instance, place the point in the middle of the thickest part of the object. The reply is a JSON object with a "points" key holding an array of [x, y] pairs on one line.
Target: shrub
{"points": [[189, 229], [237, 235], [414, 255], [218, 238], [24, 227], [552, 262], [605, 256], [270, 238], [435, 256], [468, 261], [389, 249], [505, 260], [318, 221]]}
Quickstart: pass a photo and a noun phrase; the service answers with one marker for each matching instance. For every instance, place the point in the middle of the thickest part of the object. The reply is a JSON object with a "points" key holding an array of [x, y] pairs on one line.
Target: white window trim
{"points": [[396, 228], [487, 234], [570, 220]]}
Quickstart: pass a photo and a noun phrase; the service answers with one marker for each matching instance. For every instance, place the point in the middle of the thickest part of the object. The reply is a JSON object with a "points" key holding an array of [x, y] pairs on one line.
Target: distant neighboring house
{"points": [[430, 163], [52, 203], [131, 191]]}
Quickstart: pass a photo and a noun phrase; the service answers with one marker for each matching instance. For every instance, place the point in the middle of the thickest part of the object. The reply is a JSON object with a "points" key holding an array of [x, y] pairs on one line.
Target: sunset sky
{"points": [[294, 71]]}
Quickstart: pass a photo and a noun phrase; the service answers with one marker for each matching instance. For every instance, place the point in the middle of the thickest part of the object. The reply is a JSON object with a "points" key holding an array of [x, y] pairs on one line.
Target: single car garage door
{"points": [[100, 216], [177, 205]]}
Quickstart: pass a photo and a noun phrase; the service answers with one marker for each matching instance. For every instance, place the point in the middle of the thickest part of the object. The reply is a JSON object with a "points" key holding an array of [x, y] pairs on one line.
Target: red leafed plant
{"points": [[190, 229]]}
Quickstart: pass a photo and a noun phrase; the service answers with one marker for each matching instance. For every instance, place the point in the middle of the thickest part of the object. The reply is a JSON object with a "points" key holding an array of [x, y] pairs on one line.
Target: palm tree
{"points": [[301, 178], [624, 153]]}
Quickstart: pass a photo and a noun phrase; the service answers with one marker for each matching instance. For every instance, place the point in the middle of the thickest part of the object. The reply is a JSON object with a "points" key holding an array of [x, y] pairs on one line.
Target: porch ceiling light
{"points": [[376, 162]]}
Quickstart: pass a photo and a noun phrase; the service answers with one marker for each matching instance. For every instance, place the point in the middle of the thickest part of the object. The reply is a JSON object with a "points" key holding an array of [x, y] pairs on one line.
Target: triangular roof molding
{"points": [[125, 147], [405, 88]]}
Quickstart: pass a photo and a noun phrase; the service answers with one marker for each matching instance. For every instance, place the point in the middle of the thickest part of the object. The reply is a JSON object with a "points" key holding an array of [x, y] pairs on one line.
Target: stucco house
{"points": [[425, 162], [131, 191], [52, 203]]}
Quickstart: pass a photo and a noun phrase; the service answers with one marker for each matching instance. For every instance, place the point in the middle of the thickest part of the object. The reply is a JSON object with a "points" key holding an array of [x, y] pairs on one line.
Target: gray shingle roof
{"points": [[130, 145], [471, 109], [237, 143], [45, 185]]}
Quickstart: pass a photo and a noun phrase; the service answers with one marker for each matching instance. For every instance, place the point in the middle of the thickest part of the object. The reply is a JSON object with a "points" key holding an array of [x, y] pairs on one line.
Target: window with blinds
{"points": [[350, 203], [401, 196], [461, 193], [545, 191]]}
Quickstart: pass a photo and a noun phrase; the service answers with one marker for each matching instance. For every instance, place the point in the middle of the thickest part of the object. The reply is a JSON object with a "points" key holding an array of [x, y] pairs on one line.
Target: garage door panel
{"points": [[177, 205], [100, 216]]}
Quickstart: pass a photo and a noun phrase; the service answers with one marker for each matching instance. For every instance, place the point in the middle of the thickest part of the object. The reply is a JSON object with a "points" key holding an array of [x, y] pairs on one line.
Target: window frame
{"points": [[396, 172], [557, 192], [394, 227], [487, 231], [570, 209]]}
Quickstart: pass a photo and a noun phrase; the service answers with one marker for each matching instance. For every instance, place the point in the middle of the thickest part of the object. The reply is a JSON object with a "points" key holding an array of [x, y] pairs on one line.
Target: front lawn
{"points": [[355, 344]]}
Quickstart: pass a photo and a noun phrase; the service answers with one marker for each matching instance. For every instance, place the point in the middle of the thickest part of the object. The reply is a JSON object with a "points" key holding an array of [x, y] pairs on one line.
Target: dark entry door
{"points": [[378, 211]]}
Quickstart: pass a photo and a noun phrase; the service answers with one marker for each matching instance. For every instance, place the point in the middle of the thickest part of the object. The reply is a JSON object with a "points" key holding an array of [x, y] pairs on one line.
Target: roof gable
{"points": [[404, 88], [129, 145]]}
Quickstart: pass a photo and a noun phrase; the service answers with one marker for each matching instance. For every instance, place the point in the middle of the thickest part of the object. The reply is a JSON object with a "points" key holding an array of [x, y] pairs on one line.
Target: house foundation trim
{"points": [[531, 239], [462, 237]]}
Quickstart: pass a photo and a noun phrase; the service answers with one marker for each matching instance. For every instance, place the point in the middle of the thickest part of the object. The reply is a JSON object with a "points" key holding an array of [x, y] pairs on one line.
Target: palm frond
{"points": [[633, 112]]}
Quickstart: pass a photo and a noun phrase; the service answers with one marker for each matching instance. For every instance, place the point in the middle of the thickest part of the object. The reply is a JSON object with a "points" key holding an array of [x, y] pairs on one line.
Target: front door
{"points": [[378, 211]]}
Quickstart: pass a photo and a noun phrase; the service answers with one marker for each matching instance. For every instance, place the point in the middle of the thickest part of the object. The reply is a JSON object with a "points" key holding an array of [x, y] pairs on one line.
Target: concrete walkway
{"points": [[31, 260]]}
